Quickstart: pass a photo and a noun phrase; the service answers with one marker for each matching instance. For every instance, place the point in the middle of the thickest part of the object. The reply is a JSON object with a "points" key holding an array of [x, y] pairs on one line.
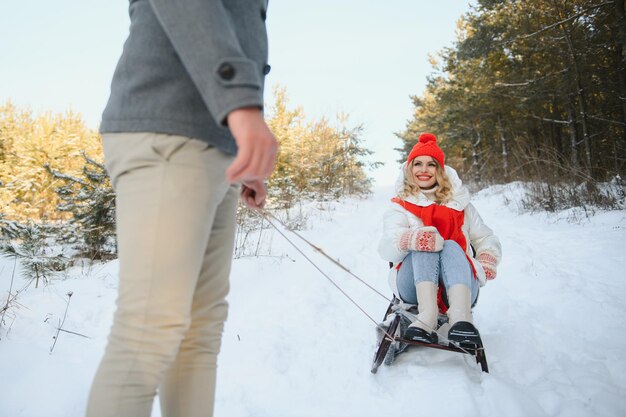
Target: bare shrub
{"points": [[554, 184]]}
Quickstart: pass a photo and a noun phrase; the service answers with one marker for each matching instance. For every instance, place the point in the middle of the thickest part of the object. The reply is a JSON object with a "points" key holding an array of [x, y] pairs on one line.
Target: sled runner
{"points": [[395, 323]]}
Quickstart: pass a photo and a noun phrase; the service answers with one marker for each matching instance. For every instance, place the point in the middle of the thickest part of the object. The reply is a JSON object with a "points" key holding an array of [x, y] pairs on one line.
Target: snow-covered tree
{"points": [[29, 143], [34, 245], [90, 200]]}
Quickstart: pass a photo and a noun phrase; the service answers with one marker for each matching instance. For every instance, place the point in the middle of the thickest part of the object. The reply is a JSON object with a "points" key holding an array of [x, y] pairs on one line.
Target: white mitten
{"points": [[489, 263], [425, 239]]}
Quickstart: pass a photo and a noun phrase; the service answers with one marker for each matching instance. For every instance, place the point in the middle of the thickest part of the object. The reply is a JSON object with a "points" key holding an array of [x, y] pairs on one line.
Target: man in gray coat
{"points": [[186, 96]]}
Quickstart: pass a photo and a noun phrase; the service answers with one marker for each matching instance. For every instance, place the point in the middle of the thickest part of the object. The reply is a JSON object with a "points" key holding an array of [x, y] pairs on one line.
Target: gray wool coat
{"points": [[185, 65]]}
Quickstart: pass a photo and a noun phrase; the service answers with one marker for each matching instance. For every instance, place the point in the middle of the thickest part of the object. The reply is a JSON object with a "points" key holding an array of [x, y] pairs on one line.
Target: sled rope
{"points": [[266, 215], [324, 254], [402, 311]]}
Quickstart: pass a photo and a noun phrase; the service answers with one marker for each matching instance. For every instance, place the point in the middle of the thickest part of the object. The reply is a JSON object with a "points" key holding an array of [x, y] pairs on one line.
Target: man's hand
{"points": [[256, 157], [253, 194]]}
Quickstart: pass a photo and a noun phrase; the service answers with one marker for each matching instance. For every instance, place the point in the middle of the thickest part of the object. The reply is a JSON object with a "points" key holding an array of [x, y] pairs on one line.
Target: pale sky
{"points": [[362, 57]]}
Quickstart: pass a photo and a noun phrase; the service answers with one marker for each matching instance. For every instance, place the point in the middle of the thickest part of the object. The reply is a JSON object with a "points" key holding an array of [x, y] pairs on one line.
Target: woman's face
{"points": [[424, 171]]}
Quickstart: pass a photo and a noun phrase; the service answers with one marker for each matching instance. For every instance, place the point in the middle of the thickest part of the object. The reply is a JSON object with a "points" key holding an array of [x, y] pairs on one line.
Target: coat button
{"points": [[266, 69], [226, 71], [263, 14]]}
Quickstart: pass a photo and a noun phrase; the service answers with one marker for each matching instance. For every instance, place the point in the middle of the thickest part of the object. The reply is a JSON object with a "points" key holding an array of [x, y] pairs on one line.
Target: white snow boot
{"points": [[462, 332], [423, 329]]}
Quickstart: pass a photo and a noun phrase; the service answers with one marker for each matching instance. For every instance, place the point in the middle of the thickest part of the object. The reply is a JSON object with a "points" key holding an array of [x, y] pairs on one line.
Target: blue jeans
{"points": [[449, 266]]}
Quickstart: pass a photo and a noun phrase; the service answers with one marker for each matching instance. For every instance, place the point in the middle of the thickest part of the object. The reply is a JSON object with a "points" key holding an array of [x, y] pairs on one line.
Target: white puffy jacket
{"points": [[397, 220]]}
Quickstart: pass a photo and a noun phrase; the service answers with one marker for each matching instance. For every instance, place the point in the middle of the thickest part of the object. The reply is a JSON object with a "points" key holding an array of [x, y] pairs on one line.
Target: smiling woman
{"points": [[441, 250]]}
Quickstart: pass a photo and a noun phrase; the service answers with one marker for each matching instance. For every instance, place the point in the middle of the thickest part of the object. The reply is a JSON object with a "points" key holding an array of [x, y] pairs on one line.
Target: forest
{"points": [[58, 204], [532, 90]]}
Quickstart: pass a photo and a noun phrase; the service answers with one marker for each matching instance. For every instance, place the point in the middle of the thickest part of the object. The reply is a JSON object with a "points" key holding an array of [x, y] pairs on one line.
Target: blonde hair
{"points": [[443, 187]]}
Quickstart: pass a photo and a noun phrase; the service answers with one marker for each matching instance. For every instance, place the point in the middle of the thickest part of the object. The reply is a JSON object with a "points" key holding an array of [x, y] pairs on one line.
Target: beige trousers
{"points": [[175, 230]]}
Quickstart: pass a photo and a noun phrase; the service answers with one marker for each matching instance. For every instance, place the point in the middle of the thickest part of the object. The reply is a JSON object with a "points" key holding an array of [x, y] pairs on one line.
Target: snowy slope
{"points": [[294, 346]]}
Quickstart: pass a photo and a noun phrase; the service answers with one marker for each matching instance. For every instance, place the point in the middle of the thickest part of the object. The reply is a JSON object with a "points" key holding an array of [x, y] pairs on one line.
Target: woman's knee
{"points": [[424, 260], [451, 246], [419, 266], [455, 266], [452, 253]]}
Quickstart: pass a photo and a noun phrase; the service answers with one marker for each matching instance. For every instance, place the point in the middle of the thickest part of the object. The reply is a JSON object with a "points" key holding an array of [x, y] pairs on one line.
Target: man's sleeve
{"points": [[204, 37]]}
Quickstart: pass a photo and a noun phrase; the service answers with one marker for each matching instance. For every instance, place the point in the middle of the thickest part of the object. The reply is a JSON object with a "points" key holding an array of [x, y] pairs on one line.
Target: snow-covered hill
{"points": [[552, 323]]}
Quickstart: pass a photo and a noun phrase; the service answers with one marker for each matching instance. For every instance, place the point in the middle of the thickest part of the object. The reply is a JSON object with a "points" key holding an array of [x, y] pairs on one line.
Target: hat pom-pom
{"points": [[427, 137]]}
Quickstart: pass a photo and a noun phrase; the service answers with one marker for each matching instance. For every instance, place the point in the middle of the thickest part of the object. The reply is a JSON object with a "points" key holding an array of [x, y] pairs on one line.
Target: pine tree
{"points": [[90, 200], [34, 245], [530, 90], [316, 160], [28, 144]]}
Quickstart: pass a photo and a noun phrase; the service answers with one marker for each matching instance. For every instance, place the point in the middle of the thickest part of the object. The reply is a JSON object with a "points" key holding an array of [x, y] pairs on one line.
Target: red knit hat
{"points": [[427, 145]]}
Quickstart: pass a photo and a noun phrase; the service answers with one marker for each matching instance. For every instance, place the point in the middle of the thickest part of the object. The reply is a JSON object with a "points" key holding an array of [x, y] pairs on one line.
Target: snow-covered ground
{"points": [[552, 323]]}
